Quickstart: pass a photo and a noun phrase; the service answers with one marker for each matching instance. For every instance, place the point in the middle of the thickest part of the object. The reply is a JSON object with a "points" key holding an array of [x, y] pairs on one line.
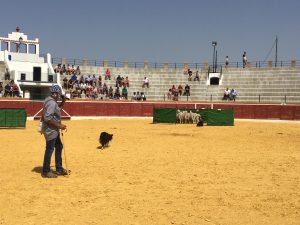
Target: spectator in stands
{"points": [[94, 92], [105, 90], [146, 82], [101, 96], [173, 89], [233, 94], [77, 71], [88, 79], [1, 89], [72, 69], [7, 90], [190, 73], [57, 68], [93, 80], [180, 89], [77, 88], [185, 72], [244, 60], [124, 92], [74, 93], [133, 96], [65, 83], [117, 94], [126, 82], [119, 81], [187, 90], [88, 91], [226, 94], [82, 88], [197, 76], [63, 69], [169, 94], [82, 95], [107, 74], [68, 71], [73, 78], [138, 96], [226, 62], [70, 84], [143, 96], [110, 93], [175, 95], [99, 81], [15, 90], [99, 89], [81, 79]]}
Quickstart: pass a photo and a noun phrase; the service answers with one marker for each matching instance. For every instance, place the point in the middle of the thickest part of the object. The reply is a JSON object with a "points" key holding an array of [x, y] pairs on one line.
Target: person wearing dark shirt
{"points": [[187, 90]]}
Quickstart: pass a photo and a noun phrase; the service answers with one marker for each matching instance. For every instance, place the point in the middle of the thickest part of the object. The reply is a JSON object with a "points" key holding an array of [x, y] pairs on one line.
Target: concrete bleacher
{"points": [[265, 85], [275, 85]]}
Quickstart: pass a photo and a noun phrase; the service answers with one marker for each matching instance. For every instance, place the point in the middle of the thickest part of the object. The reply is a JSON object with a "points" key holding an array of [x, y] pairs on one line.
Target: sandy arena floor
{"points": [[155, 174]]}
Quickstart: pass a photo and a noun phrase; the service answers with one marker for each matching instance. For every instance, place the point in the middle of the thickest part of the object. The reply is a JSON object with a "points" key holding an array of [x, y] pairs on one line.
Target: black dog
{"points": [[200, 123], [104, 139]]}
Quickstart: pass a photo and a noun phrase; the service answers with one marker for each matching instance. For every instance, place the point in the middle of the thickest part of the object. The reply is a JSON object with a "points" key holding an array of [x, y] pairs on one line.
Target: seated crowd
{"points": [[92, 87], [174, 92], [138, 96], [230, 94], [68, 70], [9, 90], [190, 75]]}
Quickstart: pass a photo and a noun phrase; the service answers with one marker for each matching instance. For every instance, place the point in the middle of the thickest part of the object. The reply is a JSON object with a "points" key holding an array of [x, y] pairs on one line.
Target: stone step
{"points": [[272, 85]]}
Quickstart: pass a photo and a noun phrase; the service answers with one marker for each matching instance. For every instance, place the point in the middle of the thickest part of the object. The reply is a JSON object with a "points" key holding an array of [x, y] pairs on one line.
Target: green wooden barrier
{"points": [[13, 117], [164, 115]]}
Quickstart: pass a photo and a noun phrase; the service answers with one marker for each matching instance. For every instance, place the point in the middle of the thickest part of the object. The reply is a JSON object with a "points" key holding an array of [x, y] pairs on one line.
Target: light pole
{"points": [[214, 44]]}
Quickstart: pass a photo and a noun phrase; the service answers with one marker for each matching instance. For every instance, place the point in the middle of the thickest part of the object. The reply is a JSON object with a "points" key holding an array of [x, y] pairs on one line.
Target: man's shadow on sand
{"points": [[37, 169]]}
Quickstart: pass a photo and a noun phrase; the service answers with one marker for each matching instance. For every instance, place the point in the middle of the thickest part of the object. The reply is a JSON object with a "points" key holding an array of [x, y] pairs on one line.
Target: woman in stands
{"points": [[180, 89], [126, 82], [99, 81], [77, 71], [173, 89], [197, 78], [107, 74], [15, 90]]}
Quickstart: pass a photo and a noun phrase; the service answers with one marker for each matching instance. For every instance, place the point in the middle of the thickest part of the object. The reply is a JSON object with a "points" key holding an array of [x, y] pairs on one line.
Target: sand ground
{"points": [[155, 174]]}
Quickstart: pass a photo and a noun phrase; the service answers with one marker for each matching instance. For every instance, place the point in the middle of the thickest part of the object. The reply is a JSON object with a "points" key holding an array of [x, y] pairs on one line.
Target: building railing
{"points": [[172, 65]]}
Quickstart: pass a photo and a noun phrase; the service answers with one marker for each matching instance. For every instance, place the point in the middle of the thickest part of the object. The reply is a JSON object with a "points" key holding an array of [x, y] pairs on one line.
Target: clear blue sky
{"points": [[158, 30]]}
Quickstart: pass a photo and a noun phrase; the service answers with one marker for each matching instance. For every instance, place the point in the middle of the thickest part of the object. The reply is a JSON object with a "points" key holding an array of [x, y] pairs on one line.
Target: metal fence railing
{"points": [[172, 65]]}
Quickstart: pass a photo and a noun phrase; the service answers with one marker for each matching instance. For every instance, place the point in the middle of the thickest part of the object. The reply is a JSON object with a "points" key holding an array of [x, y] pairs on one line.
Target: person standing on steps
{"points": [[244, 60]]}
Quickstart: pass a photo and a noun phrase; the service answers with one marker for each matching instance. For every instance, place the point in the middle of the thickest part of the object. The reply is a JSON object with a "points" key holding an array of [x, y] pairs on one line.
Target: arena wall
{"points": [[145, 109]]}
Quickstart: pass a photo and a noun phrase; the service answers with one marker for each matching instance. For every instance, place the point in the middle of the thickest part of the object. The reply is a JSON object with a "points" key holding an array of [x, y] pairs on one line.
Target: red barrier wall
{"points": [[142, 109]]}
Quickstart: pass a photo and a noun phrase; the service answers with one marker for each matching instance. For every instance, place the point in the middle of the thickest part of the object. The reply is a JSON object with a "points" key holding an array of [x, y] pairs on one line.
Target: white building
{"points": [[32, 73]]}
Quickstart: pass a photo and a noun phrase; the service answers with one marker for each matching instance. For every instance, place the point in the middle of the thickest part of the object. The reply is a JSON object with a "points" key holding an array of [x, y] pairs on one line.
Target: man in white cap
{"points": [[51, 127]]}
